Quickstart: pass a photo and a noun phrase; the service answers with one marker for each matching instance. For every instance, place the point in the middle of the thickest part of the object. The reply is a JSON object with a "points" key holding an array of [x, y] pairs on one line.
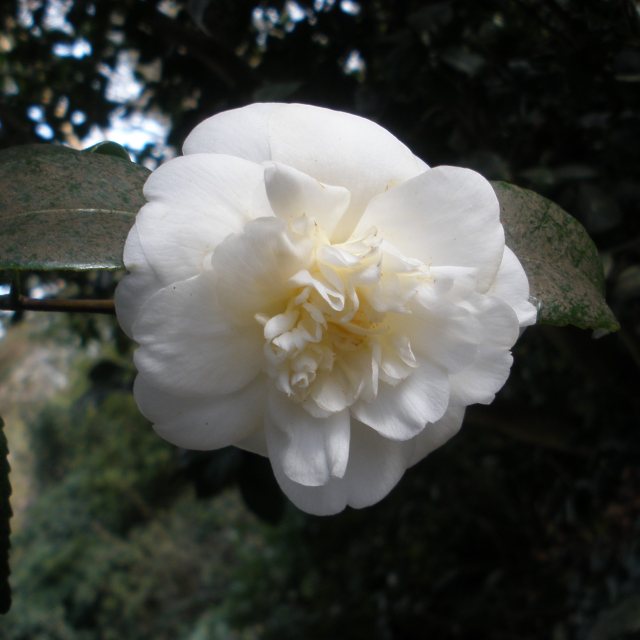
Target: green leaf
{"points": [[560, 259], [62, 209], [5, 527], [109, 148]]}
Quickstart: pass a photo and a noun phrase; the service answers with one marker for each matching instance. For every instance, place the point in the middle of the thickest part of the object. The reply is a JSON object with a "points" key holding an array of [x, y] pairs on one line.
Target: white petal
{"points": [[308, 450], [293, 193], [512, 286], [255, 442], [194, 203], [186, 346], [321, 500], [441, 332], [252, 269], [137, 286], [490, 369], [401, 412], [480, 382], [436, 434], [446, 216], [334, 147], [497, 320], [375, 467], [243, 133], [206, 422]]}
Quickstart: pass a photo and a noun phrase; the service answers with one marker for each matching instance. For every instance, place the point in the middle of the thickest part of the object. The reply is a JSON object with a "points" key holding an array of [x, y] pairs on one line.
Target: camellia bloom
{"points": [[302, 286]]}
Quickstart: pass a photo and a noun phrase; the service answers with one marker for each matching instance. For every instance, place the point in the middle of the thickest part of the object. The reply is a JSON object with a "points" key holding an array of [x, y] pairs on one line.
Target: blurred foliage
{"points": [[525, 526], [112, 524], [5, 529]]}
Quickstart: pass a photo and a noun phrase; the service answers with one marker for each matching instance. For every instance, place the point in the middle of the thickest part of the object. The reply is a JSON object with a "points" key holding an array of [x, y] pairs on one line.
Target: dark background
{"points": [[526, 525]]}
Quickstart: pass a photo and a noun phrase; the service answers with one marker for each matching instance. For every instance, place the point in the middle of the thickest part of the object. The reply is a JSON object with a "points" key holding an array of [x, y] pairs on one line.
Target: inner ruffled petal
{"points": [[292, 194], [252, 269]]}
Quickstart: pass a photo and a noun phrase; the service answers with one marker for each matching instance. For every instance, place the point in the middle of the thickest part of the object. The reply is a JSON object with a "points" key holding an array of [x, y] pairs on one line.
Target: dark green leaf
{"points": [[561, 261], [5, 527], [65, 209], [109, 148]]}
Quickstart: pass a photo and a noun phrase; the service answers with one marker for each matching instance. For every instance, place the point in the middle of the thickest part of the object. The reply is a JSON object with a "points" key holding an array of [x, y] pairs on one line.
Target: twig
{"points": [[24, 303]]}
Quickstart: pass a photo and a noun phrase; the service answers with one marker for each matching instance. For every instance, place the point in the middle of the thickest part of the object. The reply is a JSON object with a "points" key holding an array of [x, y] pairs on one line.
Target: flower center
{"points": [[336, 338]]}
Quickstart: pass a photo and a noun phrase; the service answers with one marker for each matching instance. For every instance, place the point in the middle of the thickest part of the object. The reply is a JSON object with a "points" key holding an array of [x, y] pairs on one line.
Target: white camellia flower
{"points": [[302, 286]]}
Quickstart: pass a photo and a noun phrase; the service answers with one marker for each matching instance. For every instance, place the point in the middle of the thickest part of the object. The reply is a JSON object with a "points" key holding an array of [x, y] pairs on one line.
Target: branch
{"points": [[24, 303]]}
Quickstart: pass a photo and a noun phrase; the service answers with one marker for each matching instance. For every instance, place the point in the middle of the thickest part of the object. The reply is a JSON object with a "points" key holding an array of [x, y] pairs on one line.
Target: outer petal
{"points": [[442, 332], [436, 434], [308, 450], [512, 286], [255, 442], [375, 467], [497, 320], [194, 203], [293, 193], [243, 133], [490, 370], [186, 347], [480, 382], [401, 412], [334, 147], [447, 216], [205, 422], [138, 286]]}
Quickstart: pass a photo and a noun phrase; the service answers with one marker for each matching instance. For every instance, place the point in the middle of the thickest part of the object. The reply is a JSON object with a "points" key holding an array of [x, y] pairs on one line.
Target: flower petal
{"points": [[334, 147], [498, 321], [309, 450], [252, 269], [375, 466], [206, 422], [446, 216], [512, 286], [436, 434], [194, 203], [480, 382], [242, 132], [255, 442], [442, 332], [293, 193], [139, 284], [401, 412], [186, 347]]}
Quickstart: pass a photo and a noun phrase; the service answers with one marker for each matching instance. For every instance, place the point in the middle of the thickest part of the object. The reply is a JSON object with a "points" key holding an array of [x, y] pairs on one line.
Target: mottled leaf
{"points": [[561, 261], [5, 527], [65, 209], [109, 148]]}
